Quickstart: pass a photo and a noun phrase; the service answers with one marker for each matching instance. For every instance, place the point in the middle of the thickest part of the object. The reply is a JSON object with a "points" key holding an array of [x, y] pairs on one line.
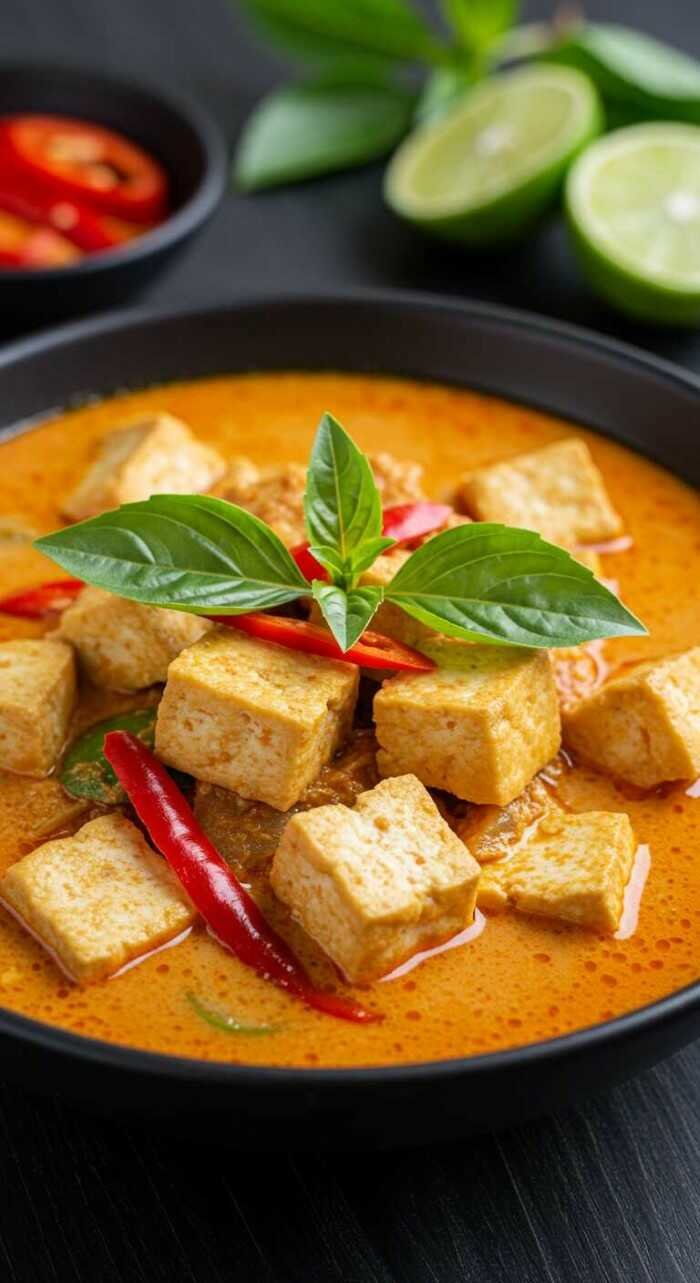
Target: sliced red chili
{"points": [[88, 230], [374, 650], [22, 244], [407, 521], [78, 159], [227, 908], [45, 599], [307, 563]]}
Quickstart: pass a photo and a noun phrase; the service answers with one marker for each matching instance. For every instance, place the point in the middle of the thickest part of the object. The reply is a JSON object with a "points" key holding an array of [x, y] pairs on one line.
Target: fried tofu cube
{"points": [[123, 645], [378, 882], [397, 480], [155, 455], [37, 695], [643, 727], [98, 899], [491, 832], [573, 867], [557, 491], [275, 495], [256, 718], [481, 724]]}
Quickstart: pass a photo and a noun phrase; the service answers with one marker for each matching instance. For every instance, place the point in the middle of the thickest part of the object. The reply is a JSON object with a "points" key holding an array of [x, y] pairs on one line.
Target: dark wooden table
{"points": [[609, 1193]]}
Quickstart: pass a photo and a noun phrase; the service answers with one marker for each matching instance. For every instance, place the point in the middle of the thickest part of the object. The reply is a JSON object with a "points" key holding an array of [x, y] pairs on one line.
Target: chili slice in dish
{"points": [[89, 231], [45, 599], [86, 162], [407, 521], [374, 650], [228, 910]]}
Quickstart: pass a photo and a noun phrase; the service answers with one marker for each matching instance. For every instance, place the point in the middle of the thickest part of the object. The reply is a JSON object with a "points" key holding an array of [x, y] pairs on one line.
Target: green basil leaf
{"points": [[487, 582], [318, 30], [226, 1023], [86, 772], [443, 88], [346, 613], [306, 130], [342, 504], [187, 552], [477, 23], [367, 553], [632, 70]]}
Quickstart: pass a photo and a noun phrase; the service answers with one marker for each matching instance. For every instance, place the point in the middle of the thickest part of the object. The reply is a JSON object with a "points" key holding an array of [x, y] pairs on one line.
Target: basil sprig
{"points": [[358, 100], [480, 582]]}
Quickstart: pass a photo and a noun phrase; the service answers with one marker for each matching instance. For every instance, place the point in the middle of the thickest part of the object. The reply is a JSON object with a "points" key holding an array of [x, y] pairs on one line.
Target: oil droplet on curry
{"points": [[520, 979]]}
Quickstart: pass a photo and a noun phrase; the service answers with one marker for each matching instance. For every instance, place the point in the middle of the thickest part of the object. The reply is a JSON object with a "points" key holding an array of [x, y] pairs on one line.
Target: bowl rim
{"points": [[126, 1059], [195, 210]]}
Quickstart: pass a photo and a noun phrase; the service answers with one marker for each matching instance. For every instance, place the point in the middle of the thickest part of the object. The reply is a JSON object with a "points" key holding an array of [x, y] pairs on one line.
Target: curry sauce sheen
{"points": [[522, 979]]}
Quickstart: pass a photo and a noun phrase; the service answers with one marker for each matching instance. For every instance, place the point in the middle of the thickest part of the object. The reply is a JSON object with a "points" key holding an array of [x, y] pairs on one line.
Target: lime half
{"points": [[633, 205], [485, 171]]}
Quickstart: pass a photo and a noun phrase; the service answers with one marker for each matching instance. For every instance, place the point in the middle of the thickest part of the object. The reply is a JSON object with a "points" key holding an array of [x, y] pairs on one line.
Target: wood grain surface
{"points": [[608, 1193]]}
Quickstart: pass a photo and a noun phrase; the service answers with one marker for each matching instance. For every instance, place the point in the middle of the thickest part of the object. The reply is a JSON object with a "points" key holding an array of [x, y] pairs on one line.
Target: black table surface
{"points": [[607, 1193]]}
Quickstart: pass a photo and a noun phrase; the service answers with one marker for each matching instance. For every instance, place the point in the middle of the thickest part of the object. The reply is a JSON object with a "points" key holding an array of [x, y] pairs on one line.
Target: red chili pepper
{"points": [[307, 563], [22, 244], [227, 908], [373, 650], [88, 230], [407, 521], [84, 161], [45, 599]]}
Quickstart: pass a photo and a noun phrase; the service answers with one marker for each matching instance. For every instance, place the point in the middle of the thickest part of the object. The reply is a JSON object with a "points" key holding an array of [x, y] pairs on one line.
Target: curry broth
{"points": [[522, 979]]}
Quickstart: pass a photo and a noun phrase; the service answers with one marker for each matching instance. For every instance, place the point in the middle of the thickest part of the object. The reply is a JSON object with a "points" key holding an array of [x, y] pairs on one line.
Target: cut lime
{"points": [[633, 205], [485, 171]]}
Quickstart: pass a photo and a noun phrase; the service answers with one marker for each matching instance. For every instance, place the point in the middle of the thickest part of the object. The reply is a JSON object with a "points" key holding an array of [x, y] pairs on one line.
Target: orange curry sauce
{"points": [[522, 979]]}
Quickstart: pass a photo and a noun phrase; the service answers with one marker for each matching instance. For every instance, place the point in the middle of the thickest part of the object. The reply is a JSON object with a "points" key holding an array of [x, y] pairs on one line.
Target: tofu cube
{"points": [[98, 899], [378, 882], [275, 495], [481, 725], [643, 727], [557, 491], [123, 645], [256, 718], [156, 455], [37, 695], [573, 867]]}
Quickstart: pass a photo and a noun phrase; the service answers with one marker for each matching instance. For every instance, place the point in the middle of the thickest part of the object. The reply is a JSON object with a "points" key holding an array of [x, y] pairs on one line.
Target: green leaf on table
{"points": [[642, 77], [342, 504], [487, 582], [225, 1022], [87, 773], [442, 89], [346, 613], [321, 30], [303, 131], [477, 23], [188, 552]]}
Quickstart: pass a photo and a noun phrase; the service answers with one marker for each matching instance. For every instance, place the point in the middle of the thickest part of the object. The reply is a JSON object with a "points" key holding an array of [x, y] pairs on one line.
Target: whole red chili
{"points": [[227, 908]]}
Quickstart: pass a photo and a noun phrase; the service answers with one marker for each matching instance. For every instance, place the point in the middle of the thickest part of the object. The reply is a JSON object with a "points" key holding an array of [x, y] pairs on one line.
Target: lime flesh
{"points": [[485, 171], [633, 206]]}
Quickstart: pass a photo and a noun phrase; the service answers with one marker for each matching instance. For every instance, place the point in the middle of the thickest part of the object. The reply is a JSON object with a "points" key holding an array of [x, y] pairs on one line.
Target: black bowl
{"points": [[186, 142], [647, 404]]}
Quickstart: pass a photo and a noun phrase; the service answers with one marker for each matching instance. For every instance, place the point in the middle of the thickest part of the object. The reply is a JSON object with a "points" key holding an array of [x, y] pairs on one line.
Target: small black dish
{"points": [[650, 406], [182, 137]]}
